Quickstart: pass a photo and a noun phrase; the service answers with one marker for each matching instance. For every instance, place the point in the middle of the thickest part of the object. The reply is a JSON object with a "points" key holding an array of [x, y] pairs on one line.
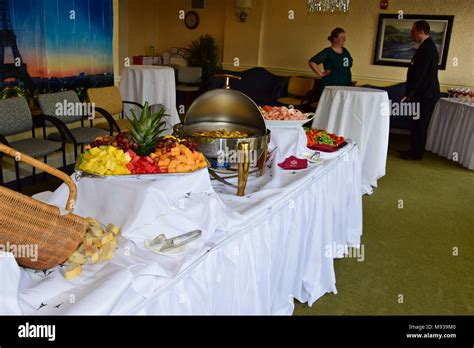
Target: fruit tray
{"points": [[172, 157], [79, 174]]}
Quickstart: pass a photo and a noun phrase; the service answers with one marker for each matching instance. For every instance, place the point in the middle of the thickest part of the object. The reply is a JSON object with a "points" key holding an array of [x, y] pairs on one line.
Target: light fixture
{"points": [[242, 7], [328, 5]]}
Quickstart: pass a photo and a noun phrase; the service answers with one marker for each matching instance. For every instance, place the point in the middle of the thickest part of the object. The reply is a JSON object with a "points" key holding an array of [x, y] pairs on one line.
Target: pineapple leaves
{"points": [[147, 129]]}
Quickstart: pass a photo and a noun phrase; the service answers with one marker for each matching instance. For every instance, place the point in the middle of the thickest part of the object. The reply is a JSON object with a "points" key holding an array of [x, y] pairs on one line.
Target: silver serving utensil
{"points": [[316, 156], [160, 239], [175, 242]]}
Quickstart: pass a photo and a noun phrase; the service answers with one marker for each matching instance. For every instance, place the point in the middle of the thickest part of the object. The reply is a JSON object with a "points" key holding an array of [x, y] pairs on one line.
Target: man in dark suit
{"points": [[422, 87]]}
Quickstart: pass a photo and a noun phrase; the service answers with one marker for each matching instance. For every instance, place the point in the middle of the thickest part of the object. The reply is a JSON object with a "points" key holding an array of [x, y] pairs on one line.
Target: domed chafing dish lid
{"points": [[225, 106]]}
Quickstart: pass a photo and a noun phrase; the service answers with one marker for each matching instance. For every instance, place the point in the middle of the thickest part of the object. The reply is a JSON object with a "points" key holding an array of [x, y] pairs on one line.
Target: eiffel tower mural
{"points": [[18, 69]]}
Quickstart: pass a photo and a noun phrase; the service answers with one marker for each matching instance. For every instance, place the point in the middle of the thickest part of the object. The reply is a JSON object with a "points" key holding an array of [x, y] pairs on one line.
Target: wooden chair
{"points": [[108, 103], [300, 90]]}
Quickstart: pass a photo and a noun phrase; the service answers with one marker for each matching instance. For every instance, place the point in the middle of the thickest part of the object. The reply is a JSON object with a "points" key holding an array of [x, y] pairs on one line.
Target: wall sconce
{"points": [[242, 7], [384, 4]]}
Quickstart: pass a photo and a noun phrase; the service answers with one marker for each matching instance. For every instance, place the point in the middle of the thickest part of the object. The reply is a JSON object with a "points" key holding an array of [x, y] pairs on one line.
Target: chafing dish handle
{"points": [[227, 79], [244, 166]]}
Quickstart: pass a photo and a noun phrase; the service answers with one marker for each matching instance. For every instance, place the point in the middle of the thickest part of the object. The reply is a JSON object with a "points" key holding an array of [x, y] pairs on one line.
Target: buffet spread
{"points": [[219, 175]]}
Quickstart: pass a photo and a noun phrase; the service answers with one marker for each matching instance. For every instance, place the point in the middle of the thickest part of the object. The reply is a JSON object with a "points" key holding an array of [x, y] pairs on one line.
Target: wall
{"points": [[157, 23], [271, 40], [243, 40], [286, 45], [175, 34]]}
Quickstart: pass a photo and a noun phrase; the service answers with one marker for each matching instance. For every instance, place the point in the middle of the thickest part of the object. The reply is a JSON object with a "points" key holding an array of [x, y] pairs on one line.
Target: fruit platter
{"points": [[141, 152], [172, 156], [281, 116], [321, 140]]}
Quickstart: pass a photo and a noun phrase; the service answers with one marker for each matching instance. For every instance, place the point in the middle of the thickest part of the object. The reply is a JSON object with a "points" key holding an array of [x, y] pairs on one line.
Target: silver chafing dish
{"points": [[230, 110]]}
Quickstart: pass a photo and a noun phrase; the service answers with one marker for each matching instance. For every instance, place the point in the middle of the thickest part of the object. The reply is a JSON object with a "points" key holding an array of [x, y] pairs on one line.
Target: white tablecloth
{"points": [[451, 131], [152, 84], [362, 115], [257, 253]]}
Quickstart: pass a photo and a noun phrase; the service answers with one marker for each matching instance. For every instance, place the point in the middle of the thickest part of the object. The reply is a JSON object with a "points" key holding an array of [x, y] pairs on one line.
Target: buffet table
{"points": [[152, 84], [257, 254], [362, 115], [451, 131]]}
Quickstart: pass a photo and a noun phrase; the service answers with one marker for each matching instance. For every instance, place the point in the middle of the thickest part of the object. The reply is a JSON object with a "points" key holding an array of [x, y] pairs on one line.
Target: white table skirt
{"points": [[152, 84], [257, 253], [280, 257], [362, 115], [451, 131]]}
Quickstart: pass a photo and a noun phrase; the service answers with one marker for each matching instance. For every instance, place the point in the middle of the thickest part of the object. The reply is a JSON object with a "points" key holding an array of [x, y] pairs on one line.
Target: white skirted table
{"points": [[362, 115], [257, 254], [451, 132], [152, 84]]}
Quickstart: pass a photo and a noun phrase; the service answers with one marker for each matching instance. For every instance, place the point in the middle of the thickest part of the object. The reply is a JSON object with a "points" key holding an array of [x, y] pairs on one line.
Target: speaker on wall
{"points": [[197, 3]]}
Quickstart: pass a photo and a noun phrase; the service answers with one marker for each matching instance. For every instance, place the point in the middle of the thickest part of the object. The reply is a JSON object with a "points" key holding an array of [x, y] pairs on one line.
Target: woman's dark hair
{"points": [[335, 34]]}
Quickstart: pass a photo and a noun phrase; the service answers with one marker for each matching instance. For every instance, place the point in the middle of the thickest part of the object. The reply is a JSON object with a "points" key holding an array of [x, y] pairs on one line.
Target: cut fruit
{"points": [[106, 239], [114, 229], [96, 231], [97, 245], [95, 258], [93, 222], [73, 270], [107, 253], [77, 258]]}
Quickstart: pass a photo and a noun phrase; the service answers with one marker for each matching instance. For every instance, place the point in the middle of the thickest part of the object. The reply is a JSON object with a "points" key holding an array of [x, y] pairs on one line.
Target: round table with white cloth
{"points": [[361, 114], [451, 132], [152, 84]]}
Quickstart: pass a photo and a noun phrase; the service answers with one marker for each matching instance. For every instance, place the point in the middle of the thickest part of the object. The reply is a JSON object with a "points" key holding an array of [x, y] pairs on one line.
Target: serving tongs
{"points": [[315, 156], [161, 243]]}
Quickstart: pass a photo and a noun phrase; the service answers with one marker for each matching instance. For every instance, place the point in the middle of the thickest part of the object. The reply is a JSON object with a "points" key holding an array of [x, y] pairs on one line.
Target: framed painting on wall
{"points": [[395, 46]]}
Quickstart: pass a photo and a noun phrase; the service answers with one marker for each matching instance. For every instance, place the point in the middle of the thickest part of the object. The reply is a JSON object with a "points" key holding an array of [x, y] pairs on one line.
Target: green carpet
{"points": [[409, 251]]}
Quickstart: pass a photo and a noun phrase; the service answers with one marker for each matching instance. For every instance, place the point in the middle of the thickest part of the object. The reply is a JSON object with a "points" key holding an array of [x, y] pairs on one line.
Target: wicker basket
{"points": [[33, 227]]}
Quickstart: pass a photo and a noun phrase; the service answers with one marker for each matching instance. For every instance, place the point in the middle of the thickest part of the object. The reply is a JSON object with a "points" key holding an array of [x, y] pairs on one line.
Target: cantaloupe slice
{"points": [[189, 159], [181, 158], [173, 164]]}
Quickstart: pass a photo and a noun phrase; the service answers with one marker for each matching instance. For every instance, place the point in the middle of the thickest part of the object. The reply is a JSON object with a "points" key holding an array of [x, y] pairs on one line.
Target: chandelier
{"points": [[328, 5]]}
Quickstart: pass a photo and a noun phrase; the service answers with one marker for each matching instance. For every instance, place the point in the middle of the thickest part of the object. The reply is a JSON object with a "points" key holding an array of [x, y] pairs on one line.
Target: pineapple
{"points": [[146, 130]]}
